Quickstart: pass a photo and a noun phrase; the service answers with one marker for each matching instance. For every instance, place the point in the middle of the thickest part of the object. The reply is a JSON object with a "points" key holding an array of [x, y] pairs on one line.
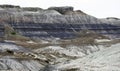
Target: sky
{"points": [[97, 8]]}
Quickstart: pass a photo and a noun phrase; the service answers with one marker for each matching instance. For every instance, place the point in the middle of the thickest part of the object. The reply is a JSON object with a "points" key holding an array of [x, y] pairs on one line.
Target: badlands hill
{"points": [[54, 21], [57, 39]]}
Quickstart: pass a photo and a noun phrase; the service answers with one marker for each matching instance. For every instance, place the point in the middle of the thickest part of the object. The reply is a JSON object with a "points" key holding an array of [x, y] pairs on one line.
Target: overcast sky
{"points": [[97, 8]]}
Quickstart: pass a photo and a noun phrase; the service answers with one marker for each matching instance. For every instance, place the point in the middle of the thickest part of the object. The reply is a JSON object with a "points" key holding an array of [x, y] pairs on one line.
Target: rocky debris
{"points": [[17, 58], [15, 50]]}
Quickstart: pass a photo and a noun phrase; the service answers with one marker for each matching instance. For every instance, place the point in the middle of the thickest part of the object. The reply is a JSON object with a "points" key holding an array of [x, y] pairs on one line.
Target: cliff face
{"points": [[58, 22]]}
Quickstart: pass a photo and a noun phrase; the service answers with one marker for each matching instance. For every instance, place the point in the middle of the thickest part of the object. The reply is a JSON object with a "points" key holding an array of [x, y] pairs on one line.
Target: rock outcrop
{"points": [[62, 10]]}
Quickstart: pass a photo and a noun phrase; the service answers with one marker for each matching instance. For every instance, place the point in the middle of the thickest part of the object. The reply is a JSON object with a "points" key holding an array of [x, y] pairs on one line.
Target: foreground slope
{"points": [[104, 60], [58, 58]]}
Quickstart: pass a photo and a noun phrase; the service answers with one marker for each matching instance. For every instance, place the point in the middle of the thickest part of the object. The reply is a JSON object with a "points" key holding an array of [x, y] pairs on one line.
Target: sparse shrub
{"points": [[13, 33]]}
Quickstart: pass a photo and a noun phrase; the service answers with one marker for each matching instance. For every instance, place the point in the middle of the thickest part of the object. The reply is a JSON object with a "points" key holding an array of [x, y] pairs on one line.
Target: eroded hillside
{"points": [[57, 39], [52, 22]]}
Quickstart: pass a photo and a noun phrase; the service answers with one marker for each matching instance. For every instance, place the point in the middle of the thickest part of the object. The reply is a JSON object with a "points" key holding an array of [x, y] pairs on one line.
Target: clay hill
{"points": [[54, 22]]}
